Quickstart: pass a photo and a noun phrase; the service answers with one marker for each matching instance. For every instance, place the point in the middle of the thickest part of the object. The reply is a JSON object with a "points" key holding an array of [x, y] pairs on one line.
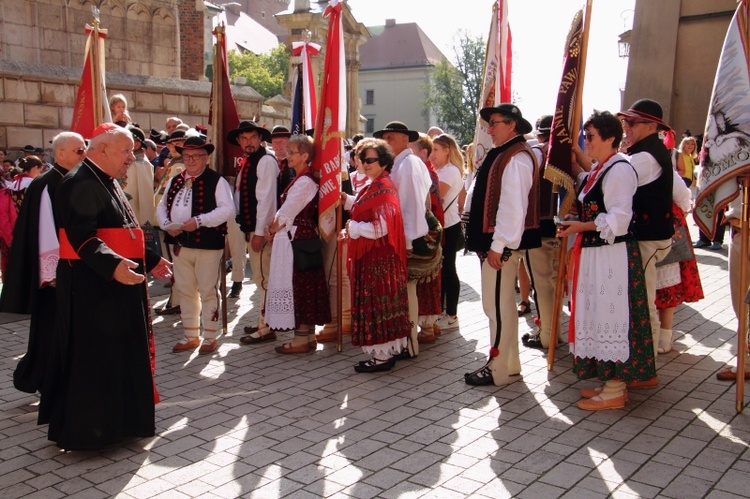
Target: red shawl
{"points": [[379, 200]]}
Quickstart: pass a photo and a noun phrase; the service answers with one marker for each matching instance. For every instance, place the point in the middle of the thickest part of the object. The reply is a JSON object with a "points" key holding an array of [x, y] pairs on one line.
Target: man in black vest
{"points": [[652, 223], [503, 219], [255, 198], [194, 210]]}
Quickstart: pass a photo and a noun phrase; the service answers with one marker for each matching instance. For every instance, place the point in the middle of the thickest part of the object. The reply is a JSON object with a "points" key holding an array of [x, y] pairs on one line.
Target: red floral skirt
{"points": [[428, 295]]}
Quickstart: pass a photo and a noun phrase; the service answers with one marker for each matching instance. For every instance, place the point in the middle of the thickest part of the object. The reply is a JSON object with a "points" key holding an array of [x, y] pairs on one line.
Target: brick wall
{"points": [[191, 40]]}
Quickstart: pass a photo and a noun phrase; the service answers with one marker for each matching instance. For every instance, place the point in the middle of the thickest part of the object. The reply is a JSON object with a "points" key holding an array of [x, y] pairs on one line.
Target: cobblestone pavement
{"points": [[247, 422]]}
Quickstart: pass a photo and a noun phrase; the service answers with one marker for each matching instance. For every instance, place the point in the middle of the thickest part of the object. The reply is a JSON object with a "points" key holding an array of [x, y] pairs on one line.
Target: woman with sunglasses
{"points": [[610, 332], [296, 221], [377, 262]]}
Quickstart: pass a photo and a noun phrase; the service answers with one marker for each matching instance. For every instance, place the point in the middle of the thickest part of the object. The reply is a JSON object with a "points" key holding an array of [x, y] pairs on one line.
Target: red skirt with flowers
{"points": [[429, 297], [312, 304], [380, 304], [689, 289]]}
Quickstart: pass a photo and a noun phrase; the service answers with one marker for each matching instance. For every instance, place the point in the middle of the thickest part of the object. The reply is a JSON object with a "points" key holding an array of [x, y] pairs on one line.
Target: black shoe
{"points": [[700, 244], [533, 342], [236, 288], [371, 366], [251, 329], [168, 310], [404, 355], [483, 377]]}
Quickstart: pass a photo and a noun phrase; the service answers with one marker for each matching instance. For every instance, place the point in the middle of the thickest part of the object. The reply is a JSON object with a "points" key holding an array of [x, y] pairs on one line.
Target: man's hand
{"points": [[256, 243], [495, 260], [190, 225], [162, 269], [124, 275]]}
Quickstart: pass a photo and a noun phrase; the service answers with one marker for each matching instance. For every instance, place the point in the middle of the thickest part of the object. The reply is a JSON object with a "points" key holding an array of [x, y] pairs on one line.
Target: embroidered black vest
{"points": [[652, 203], [592, 206], [203, 201], [247, 214]]}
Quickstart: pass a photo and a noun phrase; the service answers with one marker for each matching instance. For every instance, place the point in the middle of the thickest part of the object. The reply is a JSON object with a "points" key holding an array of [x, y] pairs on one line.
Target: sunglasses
{"points": [[589, 136], [80, 151], [632, 123], [369, 161]]}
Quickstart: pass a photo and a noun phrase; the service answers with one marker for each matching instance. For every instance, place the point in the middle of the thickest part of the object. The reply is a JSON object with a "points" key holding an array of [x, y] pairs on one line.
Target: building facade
{"points": [[674, 52]]}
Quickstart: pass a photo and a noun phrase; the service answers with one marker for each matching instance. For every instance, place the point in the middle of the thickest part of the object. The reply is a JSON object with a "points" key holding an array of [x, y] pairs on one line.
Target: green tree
{"points": [[266, 73], [455, 87]]}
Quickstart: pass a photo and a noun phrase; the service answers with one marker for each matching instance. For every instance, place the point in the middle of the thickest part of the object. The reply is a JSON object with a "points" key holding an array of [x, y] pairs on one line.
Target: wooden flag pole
{"points": [[217, 132], [563, 249], [96, 95], [339, 278], [744, 182]]}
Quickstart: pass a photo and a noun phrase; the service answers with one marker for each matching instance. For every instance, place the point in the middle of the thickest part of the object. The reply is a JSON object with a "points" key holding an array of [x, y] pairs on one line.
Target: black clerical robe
{"points": [[105, 389], [21, 291]]}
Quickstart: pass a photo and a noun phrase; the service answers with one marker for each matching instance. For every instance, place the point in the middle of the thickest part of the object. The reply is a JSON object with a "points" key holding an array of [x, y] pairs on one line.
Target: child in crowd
{"points": [[118, 106]]}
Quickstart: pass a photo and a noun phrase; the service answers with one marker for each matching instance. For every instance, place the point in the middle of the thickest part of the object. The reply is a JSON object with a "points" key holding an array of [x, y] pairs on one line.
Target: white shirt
{"points": [[265, 192], [450, 174], [300, 194], [413, 182], [510, 218], [182, 207], [647, 168]]}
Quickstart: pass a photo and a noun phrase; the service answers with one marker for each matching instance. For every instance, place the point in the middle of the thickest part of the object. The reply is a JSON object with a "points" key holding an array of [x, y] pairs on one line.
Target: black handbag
{"points": [[308, 254]]}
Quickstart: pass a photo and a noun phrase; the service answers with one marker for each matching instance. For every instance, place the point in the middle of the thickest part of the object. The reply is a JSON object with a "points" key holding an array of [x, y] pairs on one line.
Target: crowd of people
{"points": [[127, 204]]}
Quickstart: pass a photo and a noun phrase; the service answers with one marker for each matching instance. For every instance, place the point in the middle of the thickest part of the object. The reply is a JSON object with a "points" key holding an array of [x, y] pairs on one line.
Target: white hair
{"points": [[108, 137], [62, 138]]}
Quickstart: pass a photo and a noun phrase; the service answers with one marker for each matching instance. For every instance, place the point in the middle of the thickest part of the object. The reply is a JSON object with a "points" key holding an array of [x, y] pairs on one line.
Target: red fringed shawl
{"points": [[377, 201]]}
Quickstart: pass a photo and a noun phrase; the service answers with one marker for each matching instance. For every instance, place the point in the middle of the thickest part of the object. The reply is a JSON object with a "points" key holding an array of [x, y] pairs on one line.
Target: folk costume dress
{"points": [[103, 344], [377, 270], [308, 301], [429, 289], [27, 286], [610, 332]]}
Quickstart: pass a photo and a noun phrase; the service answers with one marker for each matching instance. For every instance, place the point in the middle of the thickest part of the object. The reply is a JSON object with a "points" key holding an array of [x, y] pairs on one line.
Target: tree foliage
{"points": [[266, 73], [455, 87]]}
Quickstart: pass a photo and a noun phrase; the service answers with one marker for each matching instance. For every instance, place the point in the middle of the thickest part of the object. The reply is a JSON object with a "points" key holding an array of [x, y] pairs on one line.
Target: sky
{"points": [[539, 29]]}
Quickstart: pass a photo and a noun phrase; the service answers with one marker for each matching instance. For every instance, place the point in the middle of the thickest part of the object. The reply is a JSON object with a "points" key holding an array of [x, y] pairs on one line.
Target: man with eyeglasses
{"points": [[503, 221], [652, 224], [29, 285], [194, 213]]}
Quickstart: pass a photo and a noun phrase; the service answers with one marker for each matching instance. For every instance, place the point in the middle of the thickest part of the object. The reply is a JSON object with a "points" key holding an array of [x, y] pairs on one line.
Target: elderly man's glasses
{"points": [[497, 122], [80, 151], [193, 157], [632, 123]]}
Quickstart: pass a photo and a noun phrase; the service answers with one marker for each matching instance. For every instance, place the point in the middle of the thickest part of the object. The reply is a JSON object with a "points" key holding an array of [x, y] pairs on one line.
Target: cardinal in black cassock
{"points": [[103, 343]]}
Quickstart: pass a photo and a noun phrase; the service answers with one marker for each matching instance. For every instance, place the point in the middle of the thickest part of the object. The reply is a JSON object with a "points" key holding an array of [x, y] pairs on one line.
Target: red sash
{"points": [[119, 240]]}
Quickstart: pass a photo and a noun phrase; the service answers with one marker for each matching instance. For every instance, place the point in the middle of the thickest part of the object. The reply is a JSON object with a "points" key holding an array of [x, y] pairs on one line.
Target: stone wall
{"points": [[192, 29], [36, 101]]}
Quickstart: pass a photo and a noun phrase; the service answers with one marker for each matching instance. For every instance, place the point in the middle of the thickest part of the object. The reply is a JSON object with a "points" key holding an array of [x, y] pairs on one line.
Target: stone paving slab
{"points": [[247, 422]]}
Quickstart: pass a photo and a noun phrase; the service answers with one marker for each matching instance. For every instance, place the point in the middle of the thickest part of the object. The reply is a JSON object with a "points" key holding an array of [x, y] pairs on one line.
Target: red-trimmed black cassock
{"points": [[103, 342]]}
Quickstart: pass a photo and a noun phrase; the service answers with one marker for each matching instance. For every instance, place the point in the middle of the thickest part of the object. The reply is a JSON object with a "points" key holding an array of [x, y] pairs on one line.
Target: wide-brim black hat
{"points": [[28, 148], [646, 110], [280, 131], [510, 111], [195, 143], [397, 126], [248, 126], [137, 133], [544, 125], [176, 135]]}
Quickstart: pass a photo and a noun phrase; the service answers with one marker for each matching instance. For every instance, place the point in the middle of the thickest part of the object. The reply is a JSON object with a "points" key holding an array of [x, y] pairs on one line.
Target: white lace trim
{"points": [[280, 292], [386, 350], [668, 275], [605, 232], [48, 266]]}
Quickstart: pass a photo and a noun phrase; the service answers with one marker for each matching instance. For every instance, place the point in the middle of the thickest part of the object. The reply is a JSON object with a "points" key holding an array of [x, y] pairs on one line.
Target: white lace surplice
{"points": [[49, 247], [280, 293]]}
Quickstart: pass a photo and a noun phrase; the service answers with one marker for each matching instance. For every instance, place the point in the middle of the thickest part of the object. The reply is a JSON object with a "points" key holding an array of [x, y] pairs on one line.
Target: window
{"points": [[370, 125], [370, 97]]}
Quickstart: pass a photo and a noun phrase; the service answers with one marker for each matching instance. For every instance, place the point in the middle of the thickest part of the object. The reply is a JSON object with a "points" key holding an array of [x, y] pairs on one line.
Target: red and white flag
{"points": [[224, 116], [92, 107], [496, 87], [726, 144], [305, 50], [331, 123]]}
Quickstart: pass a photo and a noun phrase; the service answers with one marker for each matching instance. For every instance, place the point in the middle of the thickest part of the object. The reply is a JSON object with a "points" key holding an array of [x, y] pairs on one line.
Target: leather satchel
{"points": [[308, 254]]}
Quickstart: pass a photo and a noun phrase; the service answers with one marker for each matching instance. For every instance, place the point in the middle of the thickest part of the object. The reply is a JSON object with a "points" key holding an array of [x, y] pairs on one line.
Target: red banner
{"points": [[225, 116], [91, 108], [331, 122]]}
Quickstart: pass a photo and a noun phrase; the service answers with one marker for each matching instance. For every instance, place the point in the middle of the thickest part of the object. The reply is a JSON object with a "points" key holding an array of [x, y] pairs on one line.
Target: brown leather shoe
{"points": [[426, 337], [250, 329], [186, 344], [602, 405], [326, 336], [730, 374], [646, 384], [288, 348], [251, 340], [208, 346]]}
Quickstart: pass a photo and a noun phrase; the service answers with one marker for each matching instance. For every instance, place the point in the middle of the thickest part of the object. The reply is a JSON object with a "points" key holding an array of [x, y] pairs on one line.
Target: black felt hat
{"points": [[195, 142], [248, 126], [509, 111], [646, 110], [397, 126]]}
